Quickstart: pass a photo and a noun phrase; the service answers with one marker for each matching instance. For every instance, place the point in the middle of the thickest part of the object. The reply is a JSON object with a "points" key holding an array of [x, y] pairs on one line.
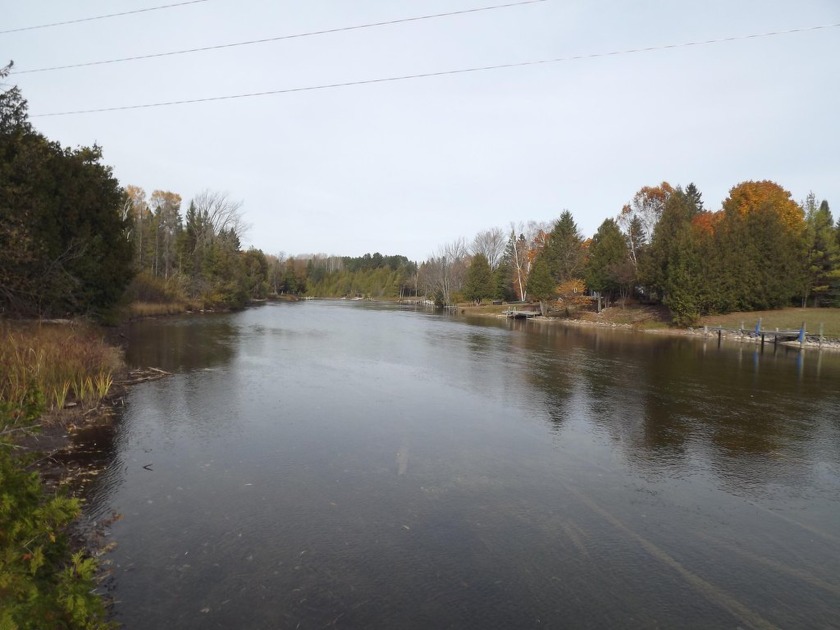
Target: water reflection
{"points": [[360, 466], [182, 344]]}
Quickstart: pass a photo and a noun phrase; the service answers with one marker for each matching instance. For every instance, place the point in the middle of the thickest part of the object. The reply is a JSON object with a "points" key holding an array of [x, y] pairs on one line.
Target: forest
{"points": [[75, 241]]}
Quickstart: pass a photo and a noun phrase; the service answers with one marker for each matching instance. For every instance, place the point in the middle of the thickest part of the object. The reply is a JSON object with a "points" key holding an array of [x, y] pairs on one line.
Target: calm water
{"points": [[350, 465]]}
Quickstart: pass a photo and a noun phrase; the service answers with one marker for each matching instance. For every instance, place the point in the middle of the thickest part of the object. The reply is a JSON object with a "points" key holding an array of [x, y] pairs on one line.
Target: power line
{"points": [[281, 37], [99, 17], [441, 73]]}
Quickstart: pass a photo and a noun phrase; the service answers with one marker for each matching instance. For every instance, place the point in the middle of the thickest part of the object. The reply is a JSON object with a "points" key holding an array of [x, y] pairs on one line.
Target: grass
{"points": [[783, 319], [654, 317], [138, 309], [64, 362], [43, 583], [148, 296], [469, 308], [636, 315]]}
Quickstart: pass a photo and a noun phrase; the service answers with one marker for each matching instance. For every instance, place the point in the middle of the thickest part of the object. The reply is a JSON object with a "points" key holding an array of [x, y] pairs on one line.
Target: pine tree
{"points": [[609, 260], [479, 281], [541, 285], [823, 258], [564, 250]]}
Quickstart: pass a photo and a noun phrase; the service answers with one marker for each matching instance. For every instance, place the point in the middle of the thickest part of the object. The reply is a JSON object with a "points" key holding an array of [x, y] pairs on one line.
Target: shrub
{"points": [[42, 585]]}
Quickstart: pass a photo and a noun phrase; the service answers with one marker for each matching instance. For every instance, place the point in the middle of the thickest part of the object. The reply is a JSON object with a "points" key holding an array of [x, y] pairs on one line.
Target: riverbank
{"points": [[655, 320], [60, 384]]}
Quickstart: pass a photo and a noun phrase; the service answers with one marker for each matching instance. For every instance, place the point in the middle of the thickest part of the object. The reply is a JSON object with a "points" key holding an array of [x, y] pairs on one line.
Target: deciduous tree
{"points": [[639, 218], [220, 214], [491, 243], [166, 208], [444, 272]]}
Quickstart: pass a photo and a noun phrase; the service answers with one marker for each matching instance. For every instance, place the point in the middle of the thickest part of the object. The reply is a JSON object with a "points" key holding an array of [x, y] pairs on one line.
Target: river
{"points": [[356, 465]]}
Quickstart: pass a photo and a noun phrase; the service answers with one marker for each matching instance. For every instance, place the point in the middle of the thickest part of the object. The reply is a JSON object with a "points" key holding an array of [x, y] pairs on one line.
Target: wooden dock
{"points": [[764, 334]]}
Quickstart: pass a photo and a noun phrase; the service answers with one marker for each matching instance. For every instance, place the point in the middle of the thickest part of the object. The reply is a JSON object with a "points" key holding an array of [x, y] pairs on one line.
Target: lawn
{"points": [[783, 319]]}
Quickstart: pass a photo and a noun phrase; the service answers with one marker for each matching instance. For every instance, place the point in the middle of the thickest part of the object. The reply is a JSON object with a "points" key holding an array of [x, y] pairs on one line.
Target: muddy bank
{"points": [[67, 440]]}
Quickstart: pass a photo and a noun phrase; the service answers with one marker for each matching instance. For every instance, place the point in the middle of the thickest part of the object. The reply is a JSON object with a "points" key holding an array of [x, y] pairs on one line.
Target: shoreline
{"points": [[745, 337]]}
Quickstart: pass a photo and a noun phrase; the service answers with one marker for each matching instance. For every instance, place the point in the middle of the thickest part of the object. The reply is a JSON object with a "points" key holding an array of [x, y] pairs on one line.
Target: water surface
{"points": [[358, 466]]}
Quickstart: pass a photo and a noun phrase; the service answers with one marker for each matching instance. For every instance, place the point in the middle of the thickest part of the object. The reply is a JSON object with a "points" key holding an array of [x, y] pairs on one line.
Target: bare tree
{"points": [[492, 244], [220, 213], [275, 270], [167, 212], [444, 273], [647, 206], [135, 211]]}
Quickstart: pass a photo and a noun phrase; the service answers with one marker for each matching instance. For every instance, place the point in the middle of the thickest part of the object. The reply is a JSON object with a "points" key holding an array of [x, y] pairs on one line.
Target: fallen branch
{"points": [[146, 374]]}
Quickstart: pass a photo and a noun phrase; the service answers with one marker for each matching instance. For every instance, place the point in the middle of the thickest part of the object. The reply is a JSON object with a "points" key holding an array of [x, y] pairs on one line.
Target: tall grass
{"points": [[155, 309], [64, 362], [148, 296]]}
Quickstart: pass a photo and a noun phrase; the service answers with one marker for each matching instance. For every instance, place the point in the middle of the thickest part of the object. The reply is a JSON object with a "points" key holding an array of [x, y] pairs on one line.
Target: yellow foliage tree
{"points": [[751, 196], [573, 292]]}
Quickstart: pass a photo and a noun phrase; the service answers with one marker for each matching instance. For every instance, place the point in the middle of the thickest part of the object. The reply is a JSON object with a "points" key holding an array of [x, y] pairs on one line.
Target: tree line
{"points": [[62, 241], [761, 250], [196, 256], [74, 241]]}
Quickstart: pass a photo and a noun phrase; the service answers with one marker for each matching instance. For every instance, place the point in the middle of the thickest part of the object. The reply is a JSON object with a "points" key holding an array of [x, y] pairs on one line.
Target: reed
{"points": [[60, 395], [59, 360], [156, 309], [102, 384]]}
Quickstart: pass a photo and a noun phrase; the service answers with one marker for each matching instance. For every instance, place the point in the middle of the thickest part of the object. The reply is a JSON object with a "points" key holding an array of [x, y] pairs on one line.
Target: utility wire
{"points": [[441, 73], [281, 37], [99, 17]]}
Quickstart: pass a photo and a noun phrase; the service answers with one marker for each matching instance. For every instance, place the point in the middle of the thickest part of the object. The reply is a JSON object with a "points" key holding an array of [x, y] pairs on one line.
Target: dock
{"points": [[759, 332]]}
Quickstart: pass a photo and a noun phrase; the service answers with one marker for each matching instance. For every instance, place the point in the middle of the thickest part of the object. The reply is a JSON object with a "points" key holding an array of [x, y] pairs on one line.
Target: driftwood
{"points": [[143, 375]]}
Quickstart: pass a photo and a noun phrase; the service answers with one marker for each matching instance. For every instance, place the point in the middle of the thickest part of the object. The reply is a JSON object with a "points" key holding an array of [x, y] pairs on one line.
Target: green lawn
{"points": [[784, 319]]}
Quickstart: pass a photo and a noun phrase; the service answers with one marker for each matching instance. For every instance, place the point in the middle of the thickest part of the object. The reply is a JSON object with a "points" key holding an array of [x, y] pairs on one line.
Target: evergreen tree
{"points": [[502, 281], [762, 248], [669, 236], [14, 111], [685, 287], [479, 282], [564, 249], [541, 285], [823, 273], [694, 197], [64, 246], [255, 274], [608, 262]]}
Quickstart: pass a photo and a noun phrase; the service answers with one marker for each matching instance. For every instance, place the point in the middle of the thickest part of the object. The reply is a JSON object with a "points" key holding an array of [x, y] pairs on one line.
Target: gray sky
{"points": [[403, 167]]}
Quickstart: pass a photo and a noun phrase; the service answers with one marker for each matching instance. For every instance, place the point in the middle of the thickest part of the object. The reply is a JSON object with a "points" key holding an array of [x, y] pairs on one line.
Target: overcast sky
{"points": [[402, 167]]}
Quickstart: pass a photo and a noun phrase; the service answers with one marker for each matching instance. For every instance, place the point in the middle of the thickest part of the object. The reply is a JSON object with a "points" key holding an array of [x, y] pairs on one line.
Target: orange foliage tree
{"points": [[761, 248], [751, 196], [573, 292]]}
